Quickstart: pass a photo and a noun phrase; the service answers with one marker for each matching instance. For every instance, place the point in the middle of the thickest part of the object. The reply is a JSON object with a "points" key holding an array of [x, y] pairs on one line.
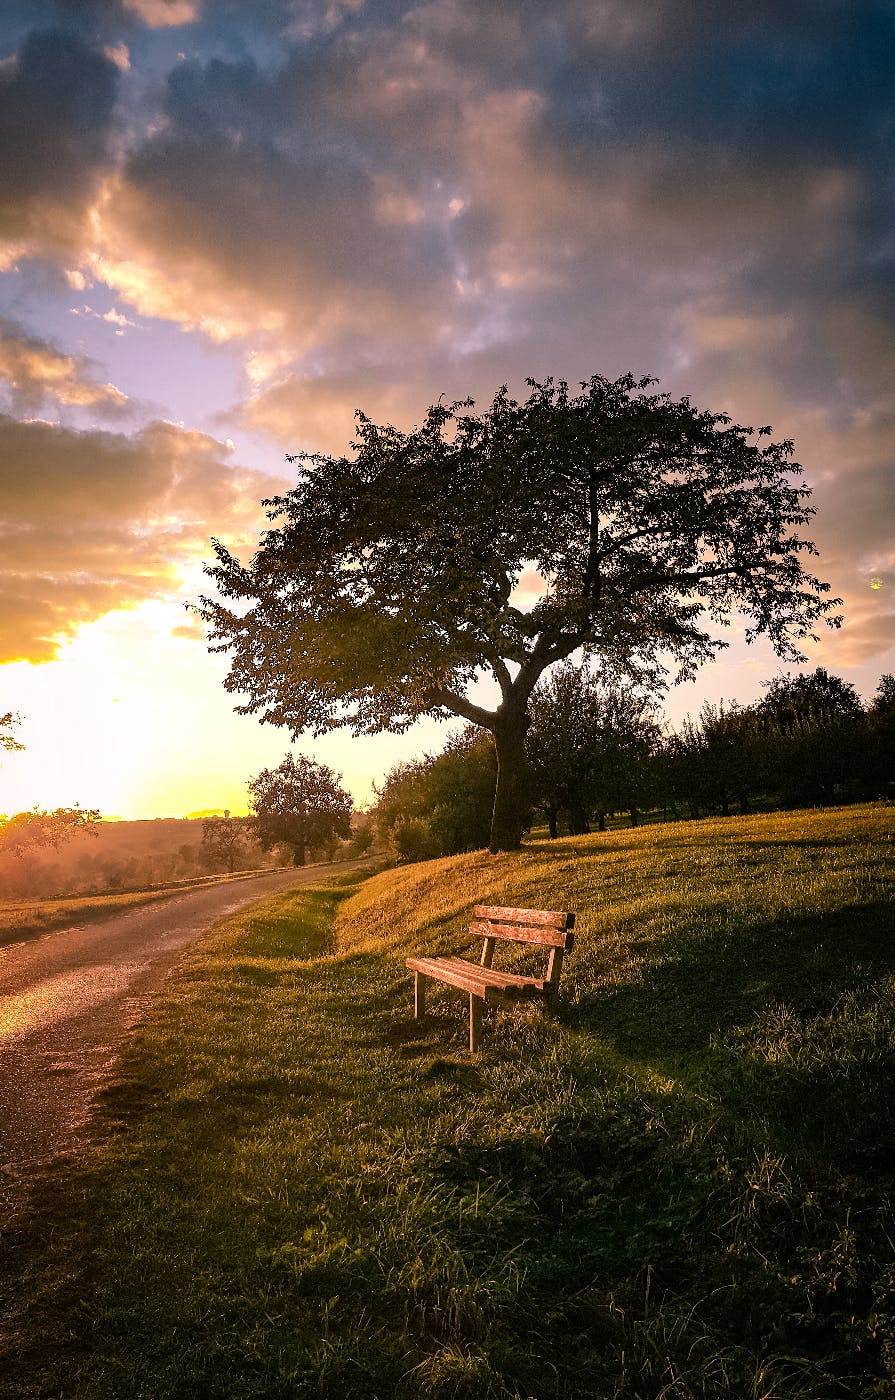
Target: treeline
{"points": [[595, 752], [299, 811], [111, 857]]}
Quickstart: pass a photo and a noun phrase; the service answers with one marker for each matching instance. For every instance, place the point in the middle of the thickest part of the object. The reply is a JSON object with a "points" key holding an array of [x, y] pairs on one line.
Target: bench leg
{"points": [[475, 1022], [419, 996]]}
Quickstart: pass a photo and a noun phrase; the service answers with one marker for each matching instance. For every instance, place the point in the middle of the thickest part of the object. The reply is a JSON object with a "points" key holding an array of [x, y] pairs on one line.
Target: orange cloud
{"points": [[35, 371], [159, 14], [94, 521]]}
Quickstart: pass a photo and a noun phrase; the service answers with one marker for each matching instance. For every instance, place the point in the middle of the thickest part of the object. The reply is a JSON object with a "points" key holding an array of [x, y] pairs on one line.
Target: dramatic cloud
{"points": [[378, 203], [57, 98], [94, 521], [36, 372]]}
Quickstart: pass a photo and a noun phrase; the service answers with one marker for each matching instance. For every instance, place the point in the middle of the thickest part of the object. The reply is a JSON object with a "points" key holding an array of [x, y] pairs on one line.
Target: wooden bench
{"points": [[484, 983]]}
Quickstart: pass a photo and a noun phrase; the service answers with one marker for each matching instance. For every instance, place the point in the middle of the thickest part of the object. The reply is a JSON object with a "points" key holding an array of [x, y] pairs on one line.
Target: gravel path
{"points": [[68, 999]]}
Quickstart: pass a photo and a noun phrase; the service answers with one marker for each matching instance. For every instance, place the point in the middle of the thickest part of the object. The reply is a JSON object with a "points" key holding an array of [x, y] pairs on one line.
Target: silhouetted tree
{"points": [[879, 759], [300, 804], [813, 738], [225, 840], [719, 759], [386, 585]]}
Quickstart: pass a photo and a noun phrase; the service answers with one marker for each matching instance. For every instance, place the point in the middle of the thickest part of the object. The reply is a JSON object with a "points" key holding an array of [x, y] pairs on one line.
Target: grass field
{"points": [[677, 1185]]}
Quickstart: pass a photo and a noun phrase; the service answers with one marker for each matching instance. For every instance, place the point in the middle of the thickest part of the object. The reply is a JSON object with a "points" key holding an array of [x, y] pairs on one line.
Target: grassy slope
{"points": [[677, 1186]]}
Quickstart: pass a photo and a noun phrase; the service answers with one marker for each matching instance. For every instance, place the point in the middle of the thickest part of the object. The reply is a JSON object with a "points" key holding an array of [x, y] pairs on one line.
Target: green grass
{"points": [[676, 1185]]}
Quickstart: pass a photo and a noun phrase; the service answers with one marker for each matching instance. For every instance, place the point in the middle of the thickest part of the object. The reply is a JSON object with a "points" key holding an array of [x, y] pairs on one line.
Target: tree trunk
{"points": [[510, 796], [551, 820]]}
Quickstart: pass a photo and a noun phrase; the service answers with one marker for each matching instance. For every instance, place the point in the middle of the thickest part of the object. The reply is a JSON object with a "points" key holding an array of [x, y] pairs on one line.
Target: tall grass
{"points": [[677, 1184]]}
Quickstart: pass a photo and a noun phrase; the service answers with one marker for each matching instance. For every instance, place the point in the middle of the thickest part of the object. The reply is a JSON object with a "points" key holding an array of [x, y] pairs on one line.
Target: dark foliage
{"points": [[440, 804], [386, 585], [300, 804]]}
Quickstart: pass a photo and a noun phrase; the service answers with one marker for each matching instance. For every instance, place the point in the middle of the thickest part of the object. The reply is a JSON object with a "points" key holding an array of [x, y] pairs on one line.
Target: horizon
{"points": [[226, 228]]}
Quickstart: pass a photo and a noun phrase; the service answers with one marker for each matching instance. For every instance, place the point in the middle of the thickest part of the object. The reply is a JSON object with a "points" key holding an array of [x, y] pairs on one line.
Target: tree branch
{"points": [[459, 705]]}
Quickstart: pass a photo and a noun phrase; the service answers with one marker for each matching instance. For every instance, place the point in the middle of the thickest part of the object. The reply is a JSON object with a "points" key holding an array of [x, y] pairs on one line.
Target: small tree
{"points": [[225, 840], [716, 759], [813, 727], [588, 748], [299, 804], [387, 585], [440, 804]]}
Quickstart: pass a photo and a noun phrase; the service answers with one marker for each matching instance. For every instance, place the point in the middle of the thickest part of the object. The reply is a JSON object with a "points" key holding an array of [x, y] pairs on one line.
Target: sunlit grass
{"points": [[676, 1185]]}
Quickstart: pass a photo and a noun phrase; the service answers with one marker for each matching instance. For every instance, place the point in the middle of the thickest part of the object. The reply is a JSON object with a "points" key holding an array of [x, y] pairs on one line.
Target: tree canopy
{"points": [[28, 831], [617, 520], [300, 804]]}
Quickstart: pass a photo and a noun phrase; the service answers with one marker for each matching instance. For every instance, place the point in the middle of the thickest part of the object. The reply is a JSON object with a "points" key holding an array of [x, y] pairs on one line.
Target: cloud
{"points": [[37, 372], [161, 14], [246, 217], [380, 203], [95, 521], [56, 109]]}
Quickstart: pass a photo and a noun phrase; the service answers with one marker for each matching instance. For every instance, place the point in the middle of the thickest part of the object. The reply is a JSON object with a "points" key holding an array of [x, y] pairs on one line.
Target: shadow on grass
{"points": [[702, 984], [787, 1021]]}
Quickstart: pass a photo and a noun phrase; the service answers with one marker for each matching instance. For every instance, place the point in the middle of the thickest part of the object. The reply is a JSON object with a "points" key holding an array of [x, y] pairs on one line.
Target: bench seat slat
{"points": [[470, 977], [544, 937], [493, 976], [544, 918], [466, 981]]}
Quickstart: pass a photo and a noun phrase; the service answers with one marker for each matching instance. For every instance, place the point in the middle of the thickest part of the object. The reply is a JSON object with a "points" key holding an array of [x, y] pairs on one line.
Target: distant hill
{"points": [[121, 855]]}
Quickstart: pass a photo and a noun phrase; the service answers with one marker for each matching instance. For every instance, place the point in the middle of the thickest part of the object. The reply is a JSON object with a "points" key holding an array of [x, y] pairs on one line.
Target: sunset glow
{"points": [[225, 228]]}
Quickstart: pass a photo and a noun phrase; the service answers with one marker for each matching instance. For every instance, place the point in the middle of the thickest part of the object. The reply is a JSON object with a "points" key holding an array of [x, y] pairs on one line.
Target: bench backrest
{"points": [[551, 928]]}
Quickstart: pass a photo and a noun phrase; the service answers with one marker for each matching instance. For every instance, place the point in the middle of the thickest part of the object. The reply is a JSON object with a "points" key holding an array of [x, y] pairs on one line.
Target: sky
{"points": [[225, 225]]}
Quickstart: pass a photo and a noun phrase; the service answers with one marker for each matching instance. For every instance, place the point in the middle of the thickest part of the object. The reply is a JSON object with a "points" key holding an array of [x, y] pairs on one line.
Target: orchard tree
{"points": [[225, 840], [387, 583], [814, 734], [440, 804], [880, 758], [588, 747], [300, 804]]}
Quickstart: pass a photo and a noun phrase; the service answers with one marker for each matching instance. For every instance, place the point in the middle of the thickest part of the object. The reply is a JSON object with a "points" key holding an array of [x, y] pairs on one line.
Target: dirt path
{"points": [[67, 1001]]}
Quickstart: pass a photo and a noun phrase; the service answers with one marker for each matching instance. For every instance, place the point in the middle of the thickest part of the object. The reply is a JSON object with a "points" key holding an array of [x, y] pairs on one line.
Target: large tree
{"points": [[300, 804], [388, 582]]}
